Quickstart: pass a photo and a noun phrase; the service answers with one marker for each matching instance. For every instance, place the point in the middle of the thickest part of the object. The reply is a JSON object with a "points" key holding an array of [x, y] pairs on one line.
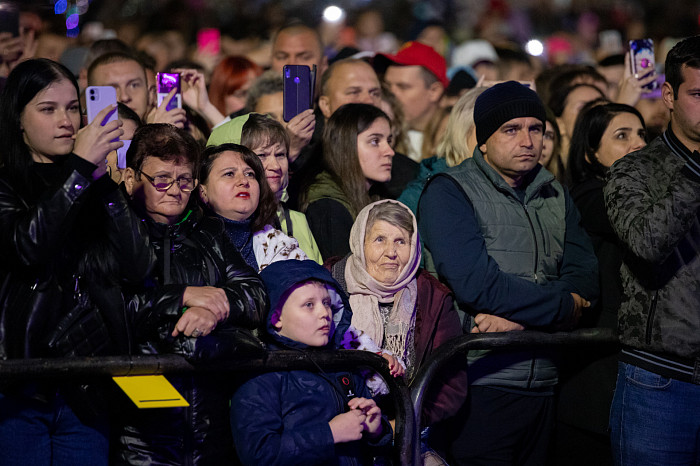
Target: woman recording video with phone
{"points": [[69, 244]]}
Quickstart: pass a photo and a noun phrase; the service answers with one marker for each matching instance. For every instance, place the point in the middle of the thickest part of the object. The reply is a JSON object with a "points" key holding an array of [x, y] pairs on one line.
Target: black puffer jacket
{"points": [[193, 252], [62, 230]]}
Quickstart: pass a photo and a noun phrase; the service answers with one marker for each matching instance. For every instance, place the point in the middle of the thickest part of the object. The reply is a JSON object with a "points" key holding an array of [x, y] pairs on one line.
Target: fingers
{"points": [[195, 322], [208, 297]]}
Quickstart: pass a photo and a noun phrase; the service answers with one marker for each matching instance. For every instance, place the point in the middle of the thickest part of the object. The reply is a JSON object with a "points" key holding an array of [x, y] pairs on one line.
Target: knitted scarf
{"points": [[366, 293]]}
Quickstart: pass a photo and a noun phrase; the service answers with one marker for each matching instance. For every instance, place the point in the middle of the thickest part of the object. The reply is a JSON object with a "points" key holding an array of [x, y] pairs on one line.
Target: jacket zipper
{"points": [[650, 319], [534, 238]]}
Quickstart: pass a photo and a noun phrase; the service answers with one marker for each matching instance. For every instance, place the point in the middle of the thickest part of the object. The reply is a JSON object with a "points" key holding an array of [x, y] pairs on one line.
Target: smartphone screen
{"points": [[99, 97], [166, 82], [209, 41], [298, 90], [9, 18], [642, 59]]}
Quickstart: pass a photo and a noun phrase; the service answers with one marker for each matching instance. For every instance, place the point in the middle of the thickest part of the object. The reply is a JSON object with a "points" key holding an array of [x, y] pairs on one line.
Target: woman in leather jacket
{"points": [[69, 245], [199, 289]]}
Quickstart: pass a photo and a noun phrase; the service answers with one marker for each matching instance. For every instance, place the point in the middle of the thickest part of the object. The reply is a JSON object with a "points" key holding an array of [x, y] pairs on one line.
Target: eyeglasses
{"points": [[163, 183]]}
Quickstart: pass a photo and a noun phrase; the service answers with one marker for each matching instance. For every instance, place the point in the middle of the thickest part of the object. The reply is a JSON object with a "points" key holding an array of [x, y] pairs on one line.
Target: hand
{"points": [[300, 129], [579, 304], [632, 87], [395, 366], [94, 141], [209, 297], [195, 322], [487, 323], [176, 117], [347, 427], [373, 419], [195, 95], [11, 48]]}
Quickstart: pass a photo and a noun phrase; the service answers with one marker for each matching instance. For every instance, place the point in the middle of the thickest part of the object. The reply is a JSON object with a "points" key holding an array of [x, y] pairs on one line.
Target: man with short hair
{"points": [[505, 236], [348, 81], [127, 75], [417, 76], [653, 202], [298, 44]]}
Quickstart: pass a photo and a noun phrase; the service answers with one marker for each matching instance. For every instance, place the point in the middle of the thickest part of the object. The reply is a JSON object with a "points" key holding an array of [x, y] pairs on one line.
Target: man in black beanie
{"points": [[505, 236]]}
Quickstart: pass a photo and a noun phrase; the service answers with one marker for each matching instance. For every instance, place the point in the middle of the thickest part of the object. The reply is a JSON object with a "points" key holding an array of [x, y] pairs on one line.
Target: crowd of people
{"points": [[404, 209]]}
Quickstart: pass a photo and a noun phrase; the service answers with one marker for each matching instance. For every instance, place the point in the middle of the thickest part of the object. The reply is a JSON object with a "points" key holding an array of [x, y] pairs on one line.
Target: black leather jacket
{"points": [[199, 254], [63, 229]]}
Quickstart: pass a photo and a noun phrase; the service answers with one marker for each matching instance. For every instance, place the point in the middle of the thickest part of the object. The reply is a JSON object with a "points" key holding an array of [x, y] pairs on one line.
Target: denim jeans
{"points": [[38, 433], [654, 420]]}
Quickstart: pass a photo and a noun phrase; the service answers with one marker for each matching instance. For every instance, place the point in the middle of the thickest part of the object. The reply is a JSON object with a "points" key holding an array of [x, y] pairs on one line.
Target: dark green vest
{"points": [[526, 238]]}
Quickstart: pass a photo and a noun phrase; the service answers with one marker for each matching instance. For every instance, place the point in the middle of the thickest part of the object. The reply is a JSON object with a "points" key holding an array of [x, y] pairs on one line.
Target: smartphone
{"points": [[121, 154], [642, 60], [209, 41], [9, 18], [99, 97], [299, 83], [166, 82]]}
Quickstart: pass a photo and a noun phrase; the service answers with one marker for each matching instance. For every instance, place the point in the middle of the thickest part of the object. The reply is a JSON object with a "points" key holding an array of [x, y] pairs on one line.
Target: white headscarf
{"points": [[366, 293]]}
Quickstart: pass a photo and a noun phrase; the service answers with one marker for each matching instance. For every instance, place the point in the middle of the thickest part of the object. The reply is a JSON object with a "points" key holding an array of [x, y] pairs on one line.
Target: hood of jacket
{"points": [[282, 276]]}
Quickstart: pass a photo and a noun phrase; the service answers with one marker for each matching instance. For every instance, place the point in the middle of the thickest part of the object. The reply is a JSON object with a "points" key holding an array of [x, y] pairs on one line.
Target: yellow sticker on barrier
{"points": [[151, 391]]}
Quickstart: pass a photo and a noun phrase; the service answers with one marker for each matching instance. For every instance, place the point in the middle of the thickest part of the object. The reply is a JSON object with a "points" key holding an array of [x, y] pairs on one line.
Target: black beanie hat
{"points": [[503, 102]]}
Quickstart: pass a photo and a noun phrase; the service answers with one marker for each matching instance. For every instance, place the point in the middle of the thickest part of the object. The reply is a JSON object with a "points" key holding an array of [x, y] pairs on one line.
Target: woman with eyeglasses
{"points": [[69, 245], [199, 289]]}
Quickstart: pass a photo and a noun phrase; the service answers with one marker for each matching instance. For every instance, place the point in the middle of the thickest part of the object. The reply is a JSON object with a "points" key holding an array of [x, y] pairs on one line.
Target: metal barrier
{"points": [[505, 340], [263, 362]]}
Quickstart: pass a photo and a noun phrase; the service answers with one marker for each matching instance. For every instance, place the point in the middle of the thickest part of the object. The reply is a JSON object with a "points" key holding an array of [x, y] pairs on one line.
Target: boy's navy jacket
{"points": [[281, 418]]}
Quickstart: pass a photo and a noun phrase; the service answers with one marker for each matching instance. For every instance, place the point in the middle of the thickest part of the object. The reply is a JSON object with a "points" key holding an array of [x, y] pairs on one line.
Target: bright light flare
{"points": [[534, 47], [333, 14]]}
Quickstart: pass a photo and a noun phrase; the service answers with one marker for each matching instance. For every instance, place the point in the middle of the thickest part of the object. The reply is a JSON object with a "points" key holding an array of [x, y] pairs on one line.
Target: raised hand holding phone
{"points": [[96, 140], [642, 61], [299, 83]]}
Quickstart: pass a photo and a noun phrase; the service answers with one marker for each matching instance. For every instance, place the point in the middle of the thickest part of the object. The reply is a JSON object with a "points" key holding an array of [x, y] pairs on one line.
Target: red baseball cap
{"points": [[417, 54]]}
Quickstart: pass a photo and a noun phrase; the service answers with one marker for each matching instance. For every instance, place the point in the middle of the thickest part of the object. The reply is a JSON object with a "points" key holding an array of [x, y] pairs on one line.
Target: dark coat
{"points": [[66, 230], [281, 418], [437, 322], [199, 254], [587, 379]]}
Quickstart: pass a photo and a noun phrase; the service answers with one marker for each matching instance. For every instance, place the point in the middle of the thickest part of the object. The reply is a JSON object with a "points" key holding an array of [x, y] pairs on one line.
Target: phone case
{"points": [[642, 59], [166, 83], [99, 97], [298, 90]]}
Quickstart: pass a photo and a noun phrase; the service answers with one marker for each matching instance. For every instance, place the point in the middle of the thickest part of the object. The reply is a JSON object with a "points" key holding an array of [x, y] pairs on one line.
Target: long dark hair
{"points": [[585, 141], [23, 84], [340, 156], [266, 211]]}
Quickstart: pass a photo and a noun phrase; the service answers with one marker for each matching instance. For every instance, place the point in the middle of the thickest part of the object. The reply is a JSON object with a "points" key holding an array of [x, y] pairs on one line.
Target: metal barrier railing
{"points": [[505, 340], [272, 361]]}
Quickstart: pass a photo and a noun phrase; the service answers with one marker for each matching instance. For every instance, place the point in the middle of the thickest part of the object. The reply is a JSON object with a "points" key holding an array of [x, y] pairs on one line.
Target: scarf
{"points": [[366, 293]]}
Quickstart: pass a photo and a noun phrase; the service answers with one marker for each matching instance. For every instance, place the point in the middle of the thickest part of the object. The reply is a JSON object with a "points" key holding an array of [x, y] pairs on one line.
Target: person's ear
{"points": [[667, 95], [129, 178], [278, 324], [325, 106], [435, 91], [203, 193]]}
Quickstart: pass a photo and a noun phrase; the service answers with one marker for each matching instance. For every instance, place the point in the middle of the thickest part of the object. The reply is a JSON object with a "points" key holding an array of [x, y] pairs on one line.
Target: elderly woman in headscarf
{"points": [[401, 307]]}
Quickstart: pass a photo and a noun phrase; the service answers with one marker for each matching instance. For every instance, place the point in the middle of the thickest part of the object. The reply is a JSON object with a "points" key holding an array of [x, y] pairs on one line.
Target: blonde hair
{"points": [[453, 147]]}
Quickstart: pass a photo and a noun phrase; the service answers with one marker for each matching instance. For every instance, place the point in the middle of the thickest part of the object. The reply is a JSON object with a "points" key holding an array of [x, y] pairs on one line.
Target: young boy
{"points": [[303, 417]]}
